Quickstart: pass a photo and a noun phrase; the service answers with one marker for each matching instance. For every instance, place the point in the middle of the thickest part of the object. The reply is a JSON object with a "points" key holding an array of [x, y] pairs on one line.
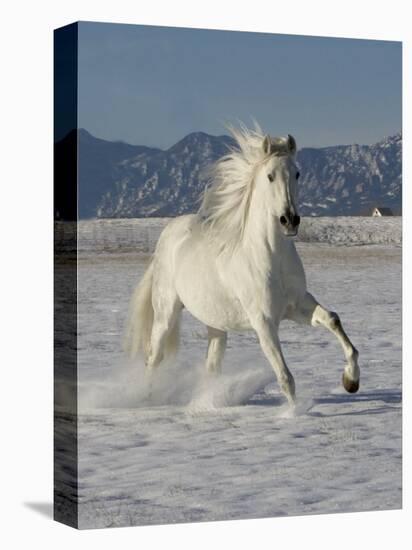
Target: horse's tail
{"points": [[140, 321]]}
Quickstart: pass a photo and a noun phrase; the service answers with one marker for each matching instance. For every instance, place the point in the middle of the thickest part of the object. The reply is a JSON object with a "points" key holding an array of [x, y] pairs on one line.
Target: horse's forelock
{"points": [[280, 146]]}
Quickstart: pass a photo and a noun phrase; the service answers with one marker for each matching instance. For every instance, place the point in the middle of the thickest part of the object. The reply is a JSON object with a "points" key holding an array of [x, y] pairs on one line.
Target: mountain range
{"points": [[119, 180]]}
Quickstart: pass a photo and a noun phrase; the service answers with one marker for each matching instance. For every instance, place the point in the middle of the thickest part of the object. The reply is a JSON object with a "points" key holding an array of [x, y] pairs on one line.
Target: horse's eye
{"points": [[270, 177], [297, 175]]}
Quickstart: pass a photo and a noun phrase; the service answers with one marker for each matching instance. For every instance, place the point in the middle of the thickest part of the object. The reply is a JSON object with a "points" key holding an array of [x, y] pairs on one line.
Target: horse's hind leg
{"points": [[216, 349], [308, 310], [166, 317]]}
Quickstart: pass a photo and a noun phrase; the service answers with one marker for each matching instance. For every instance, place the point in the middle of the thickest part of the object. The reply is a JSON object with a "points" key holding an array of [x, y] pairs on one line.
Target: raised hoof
{"points": [[350, 385]]}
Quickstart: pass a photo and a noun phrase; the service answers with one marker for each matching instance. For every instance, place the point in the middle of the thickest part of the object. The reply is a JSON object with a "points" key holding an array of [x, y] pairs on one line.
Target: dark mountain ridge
{"points": [[119, 180]]}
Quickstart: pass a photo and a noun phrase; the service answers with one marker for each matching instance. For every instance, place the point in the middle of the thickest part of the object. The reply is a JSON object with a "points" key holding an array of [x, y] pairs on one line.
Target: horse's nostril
{"points": [[296, 220], [283, 220]]}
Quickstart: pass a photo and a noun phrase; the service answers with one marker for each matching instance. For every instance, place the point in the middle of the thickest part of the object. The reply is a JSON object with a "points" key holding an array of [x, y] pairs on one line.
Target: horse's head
{"points": [[278, 178]]}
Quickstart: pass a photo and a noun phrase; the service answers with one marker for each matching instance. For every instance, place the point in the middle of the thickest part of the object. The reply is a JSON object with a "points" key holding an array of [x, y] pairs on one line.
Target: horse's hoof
{"points": [[350, 385]]}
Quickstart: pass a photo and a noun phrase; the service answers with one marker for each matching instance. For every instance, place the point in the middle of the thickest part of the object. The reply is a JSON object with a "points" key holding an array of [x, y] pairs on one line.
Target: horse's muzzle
{"points": [[290, 223]]}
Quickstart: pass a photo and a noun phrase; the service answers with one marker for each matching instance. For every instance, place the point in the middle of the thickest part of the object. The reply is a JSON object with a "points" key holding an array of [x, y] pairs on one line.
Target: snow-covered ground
{"points": [[229, 448]]}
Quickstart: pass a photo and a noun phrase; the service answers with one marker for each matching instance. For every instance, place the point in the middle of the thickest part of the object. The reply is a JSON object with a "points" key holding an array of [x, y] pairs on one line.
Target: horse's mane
{"points": [[226, 200]]}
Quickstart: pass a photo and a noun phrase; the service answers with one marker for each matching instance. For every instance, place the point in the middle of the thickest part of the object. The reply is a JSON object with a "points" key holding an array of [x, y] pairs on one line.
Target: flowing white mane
{"points": [[226, 200]]}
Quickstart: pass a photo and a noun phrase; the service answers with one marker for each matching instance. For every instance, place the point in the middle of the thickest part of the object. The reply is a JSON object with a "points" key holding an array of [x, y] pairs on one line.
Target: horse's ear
{"points": [[267, 144], [291, 144]]}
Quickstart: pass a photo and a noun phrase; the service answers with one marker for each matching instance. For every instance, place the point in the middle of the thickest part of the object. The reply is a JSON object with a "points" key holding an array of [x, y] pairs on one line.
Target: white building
{"points": [[381, 211]]}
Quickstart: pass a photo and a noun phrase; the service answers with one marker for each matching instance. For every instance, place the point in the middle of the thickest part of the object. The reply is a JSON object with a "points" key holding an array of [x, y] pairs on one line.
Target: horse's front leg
{"points": [[267, 332], [309, 311]]}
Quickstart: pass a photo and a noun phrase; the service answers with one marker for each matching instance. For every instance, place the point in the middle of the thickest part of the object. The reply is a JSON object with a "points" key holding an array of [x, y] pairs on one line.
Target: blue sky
{"points": [[153, 85]]}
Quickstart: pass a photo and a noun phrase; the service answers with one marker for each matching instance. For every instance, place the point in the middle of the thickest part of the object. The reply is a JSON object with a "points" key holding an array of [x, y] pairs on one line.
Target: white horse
{"points": [[233, 265]]}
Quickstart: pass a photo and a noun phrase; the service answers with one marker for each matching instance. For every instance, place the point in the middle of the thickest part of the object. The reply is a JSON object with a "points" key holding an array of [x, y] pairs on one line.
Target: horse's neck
{"points": [[263, 240]]}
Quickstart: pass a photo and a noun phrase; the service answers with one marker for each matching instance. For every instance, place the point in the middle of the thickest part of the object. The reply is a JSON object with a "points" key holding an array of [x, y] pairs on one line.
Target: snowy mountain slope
{"points": [[163, 183], [350, 179], [100, 165], [117, 180]]}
